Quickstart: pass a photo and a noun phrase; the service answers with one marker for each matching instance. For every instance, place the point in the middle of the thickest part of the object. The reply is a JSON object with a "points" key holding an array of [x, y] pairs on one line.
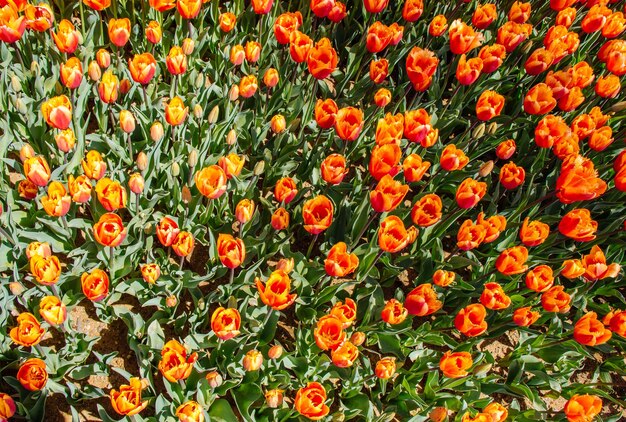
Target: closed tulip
{"points": [[95, 285], [57, 111], [322, 59], [317, 214], [231, 251]]}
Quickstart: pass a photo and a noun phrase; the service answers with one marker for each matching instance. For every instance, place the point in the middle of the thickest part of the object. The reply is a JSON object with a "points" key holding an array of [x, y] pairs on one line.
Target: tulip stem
{"points": [[145, 95], [232, 276], [55, 291], [137, 202], [181, 262], [130, 147], [82, 18], [111, 259], [40, 350], [5, 234], [365, 227], [308, 252]]}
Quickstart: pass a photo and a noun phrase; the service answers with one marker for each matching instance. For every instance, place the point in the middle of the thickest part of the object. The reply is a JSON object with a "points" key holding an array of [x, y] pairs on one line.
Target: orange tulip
{"points": [[422, 301], [493, 225], [326, 112], [275, 292], [183, 244], [525, 317], [345, 312], [463, 38], [540, 278], [614, 26], [385, 368], [455, 365], [489, 105], [167, 231], [334, 169], [388, 194], [539, 61], [378, 37], [57, 111], [566, 17], [393, 236], [244, 210], [262, 7], [412, 10], [555, 299], [150, 273], [470, 235], [484, 15], [39, 17], [52, 310], [232, 164], [119, 31], [38, 248], [142, 68], [329, 332], [211, 181], [427, 210], [97, 5], [231, 251], [572, 268], [190, 411], [533, 233], [512, 176], [317, 214], [453, 158], [46, 270], [154, 33], [32, 374], [12, 26], [127, 401], [271, 77], [37, 171], [71, 73], [539, 100], [471, 320], [57, 202], [438, 26], [28, 331], [394, 312], [578, 180], [578, 225], [608, 86], [550, 129], [322, 59], [384, 160], [188, 9], [111, 194], [512, 261], [339, 262], [27, 189], [66, 38], [285, 190], [345, 355], [493, 297], [285, 24], [338, 12], [467, 71], [280, 219], [443, 278], [95, 285], [421, 65], [519, 12], [109, 230], [176, 61], [617, 322], [225, 323], [108, 87], [588, 331], [300, 45], [470, 192], [582, 408], [596, 267], [512, 34], [227, 21], [176, 364], [348, 123], [310, 400], [382, 97], [379, 69], [248, 86], [414, 168]]}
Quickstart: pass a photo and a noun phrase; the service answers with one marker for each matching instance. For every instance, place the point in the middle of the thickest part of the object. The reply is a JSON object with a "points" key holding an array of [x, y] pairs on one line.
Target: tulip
{"points": [[119, 31], [56, 203], [493, 297], [271, 77], [7, 406], [339, 262], [469, 193], [388, 194], [345, 355], [333, 169], [227, 21], [583, 407], [127, 401], [32, 374], [443, 278], [329, 332], [310, 400], [421, 65], [176, 363], [225, 323], [28, 331], [438, 26], [317, 214], [422, 301], [525, 317], [322, 59], [150, 273], [540, 278], [455, 365], [463, 38], [66, 37], [46, 270], [109, 230], [142, 68], [71, 73], [39, 17], [275, 292], [471, 320], [280, 219], [555, 299], [176, 61], [37, 171], [190, 411], [484, 15], [252, 360], [262, 7], [382, 97], [57, 111], [394, 312], [393, 236]]}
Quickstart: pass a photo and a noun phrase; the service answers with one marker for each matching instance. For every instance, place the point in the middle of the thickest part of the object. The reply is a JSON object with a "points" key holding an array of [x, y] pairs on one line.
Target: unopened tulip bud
{"points": [[214, 115], [21, 107], [65, 140], [103, 58], [171, 301], [214, 379], [338, 417], [244, 210], [16, 288], [274, 398], [136, 183], [58, 88], [186, 195], [199, 81], [486, 169], [93, 70], [188, 46], [357, 338], [275, 351], [192, 160], [482, 369], [147, 229], [127, 121], [156, 131], [285, 264], [259, 168], [201, 304], [197, 111], [278, 123], [207, 82], [34, 67], [16, 84], [617, 107], [479, 131], [175, 169], [233, 93], [124, 86], [26, 152], [438, 414], [253, 360], [142, 161], [492, 128], [231, 138]]}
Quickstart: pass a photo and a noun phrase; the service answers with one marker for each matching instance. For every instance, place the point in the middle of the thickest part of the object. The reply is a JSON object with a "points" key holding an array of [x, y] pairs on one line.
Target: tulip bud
{"points": [[136, 183], [233, 93], [103, 58], [207, 82], [93, 70], [16, 288], [65, 140], [479, 131], [214, 115], [201, 304], [16, 84], [231, 138], [438, 414], [127, 121], [142, 161], [617, 107], [197, 111], [214, 379], [492, 128], [156, 131], [278, 123], [486, 169], [338, 417], [482, 369], [244, 210], [21, 107], [192, 160], [188, 46], [34, 67], [274, 398], [285, 264], [357, 338], [175, 169], [186, 195], [171, 301], [124, 86], [199, 81], [253, 360], [26, 152], [275, 351], [259, 168]]}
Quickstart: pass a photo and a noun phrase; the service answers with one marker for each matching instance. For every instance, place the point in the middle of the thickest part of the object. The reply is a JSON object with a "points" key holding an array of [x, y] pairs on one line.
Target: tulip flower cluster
{"points": [[312, 210]]}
